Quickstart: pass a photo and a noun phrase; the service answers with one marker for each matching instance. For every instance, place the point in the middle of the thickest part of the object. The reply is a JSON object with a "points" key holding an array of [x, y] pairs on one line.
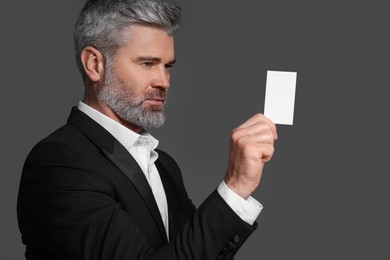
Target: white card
{"points": [[280, 96]]}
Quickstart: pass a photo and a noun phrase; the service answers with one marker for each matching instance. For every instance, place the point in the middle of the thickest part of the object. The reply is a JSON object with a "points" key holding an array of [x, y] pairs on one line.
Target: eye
{"points": [[147, 64], [168, 66]]}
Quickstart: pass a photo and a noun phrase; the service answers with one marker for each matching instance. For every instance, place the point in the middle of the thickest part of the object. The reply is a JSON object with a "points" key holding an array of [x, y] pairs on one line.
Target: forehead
{"points": [[148, 40]]}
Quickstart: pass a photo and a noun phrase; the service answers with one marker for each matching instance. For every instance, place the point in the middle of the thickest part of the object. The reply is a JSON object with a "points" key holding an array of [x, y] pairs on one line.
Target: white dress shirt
{"points": [[141, 147]]}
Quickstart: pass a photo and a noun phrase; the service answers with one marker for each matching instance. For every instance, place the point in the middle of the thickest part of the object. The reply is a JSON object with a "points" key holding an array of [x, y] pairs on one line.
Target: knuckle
{"points": [[241, 142], [269, 137], [267, 129], [259, 116], [234, 135]]}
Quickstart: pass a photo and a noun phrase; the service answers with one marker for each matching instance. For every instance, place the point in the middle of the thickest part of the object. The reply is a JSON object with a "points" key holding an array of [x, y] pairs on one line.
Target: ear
{"points": [[93, 63]]}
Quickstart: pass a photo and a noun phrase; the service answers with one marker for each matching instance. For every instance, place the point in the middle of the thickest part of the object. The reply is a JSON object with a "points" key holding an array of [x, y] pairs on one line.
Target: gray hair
{"points": [[101, 23]]}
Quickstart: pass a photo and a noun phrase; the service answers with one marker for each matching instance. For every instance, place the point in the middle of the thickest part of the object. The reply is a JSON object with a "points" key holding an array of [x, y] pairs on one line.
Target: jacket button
{"points": [[236, 239]]}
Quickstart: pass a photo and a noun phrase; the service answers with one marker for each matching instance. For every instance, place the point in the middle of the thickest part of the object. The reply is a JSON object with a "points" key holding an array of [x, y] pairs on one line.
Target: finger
{"points": [[255, 120], [256, 131], [266, 138], [266, 152], [272, 125], [260, 128], [261, 151]]}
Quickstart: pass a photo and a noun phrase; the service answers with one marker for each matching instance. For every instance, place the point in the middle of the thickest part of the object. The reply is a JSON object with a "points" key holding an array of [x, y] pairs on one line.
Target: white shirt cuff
{"points": [[248, 210]]}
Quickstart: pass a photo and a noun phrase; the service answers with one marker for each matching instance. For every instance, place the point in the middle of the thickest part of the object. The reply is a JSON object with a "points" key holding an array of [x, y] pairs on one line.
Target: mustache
{"points": [[156, 94]]}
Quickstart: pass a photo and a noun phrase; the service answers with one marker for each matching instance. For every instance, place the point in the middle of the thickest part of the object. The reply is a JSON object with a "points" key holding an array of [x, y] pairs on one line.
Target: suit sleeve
{"points": [[68, 212]]}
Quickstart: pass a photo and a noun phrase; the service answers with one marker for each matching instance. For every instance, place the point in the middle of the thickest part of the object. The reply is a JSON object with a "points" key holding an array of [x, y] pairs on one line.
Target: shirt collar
{"points": [[123, 134]]}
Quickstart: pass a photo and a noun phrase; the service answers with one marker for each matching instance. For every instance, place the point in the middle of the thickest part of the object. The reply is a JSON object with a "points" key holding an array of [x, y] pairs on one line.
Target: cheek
{"points": [[138, 81], [134, 77]]}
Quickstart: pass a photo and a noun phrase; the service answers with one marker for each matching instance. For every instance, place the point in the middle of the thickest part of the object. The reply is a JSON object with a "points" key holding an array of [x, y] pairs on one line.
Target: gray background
{"points": [[325, 193]]}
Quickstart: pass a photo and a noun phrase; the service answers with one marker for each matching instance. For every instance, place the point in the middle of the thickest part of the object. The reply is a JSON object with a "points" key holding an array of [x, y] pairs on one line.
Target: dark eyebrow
{"points": [[153, 59], [148, 58]]}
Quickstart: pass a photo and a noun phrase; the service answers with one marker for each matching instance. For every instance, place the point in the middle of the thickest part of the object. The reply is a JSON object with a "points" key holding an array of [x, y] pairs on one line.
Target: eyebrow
{"points": [[153, 59]]}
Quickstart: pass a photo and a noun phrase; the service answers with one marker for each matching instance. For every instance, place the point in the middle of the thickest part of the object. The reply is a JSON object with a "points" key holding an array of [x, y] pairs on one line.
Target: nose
{"points": [[162, 79]]}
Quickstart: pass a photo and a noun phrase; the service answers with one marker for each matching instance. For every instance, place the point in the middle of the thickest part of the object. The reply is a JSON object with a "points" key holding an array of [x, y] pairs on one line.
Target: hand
{"points": [[251, 146]]}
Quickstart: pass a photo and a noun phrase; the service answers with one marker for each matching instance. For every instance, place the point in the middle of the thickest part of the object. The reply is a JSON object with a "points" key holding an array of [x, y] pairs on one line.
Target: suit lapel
{"points": [[121, 158], [180, 209], [172, 199]]}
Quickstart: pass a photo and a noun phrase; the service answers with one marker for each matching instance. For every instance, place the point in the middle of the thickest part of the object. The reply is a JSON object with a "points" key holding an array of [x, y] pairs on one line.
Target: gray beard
{"points": [[121, 99]]}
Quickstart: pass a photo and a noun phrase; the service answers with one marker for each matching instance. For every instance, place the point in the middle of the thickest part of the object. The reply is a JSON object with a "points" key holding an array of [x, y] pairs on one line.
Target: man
{"points": [[97, 188]]}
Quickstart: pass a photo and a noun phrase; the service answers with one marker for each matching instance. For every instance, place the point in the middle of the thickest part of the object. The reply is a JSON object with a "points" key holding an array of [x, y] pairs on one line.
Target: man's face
{"points": [[136, 83]]}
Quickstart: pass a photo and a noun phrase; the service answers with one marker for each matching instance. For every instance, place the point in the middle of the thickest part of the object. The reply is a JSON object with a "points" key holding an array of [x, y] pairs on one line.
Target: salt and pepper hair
{"points": [[102, 24]]}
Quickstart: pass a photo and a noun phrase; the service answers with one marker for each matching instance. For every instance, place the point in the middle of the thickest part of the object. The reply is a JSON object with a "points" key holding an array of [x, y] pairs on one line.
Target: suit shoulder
{"points": [[61, 145], [64, 134]]}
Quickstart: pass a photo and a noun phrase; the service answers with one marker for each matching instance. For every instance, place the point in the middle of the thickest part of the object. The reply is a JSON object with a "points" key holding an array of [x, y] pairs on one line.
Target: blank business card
{"points": [[280, 96]]}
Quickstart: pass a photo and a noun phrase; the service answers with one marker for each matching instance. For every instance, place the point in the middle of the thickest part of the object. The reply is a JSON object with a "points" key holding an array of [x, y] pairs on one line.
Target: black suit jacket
{"points": [[83, 196]]}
